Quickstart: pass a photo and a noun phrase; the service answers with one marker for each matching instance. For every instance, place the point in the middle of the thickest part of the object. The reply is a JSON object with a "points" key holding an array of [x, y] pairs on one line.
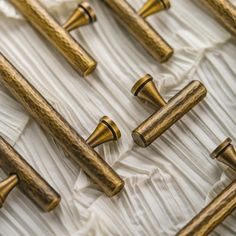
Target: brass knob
{"points": [[153, 6], [82, 15], [6, 187], [105, 131], [225, 153], [146, 90]]}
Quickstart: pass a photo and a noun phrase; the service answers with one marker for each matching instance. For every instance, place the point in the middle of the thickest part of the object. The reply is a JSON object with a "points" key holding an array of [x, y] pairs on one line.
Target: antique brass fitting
{"points": [[153, 6], [21, 174], [6, 187], [106, 131], [225, 153], [56, 126], [146, 90], [136, 24], [58, 35], [224, 11], [167, 113], [82, 15], [222, 206]]}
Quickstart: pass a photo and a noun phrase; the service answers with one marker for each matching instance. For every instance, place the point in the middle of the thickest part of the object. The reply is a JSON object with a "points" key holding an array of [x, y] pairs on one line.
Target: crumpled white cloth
{"points": [[166, 183]]}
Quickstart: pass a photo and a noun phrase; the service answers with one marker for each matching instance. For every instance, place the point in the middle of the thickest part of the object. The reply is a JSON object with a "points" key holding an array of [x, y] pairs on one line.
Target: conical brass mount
{"points": [[153, 6], [225, 153], [145, 89], [6, 187], [82, 15], [106, 131]]}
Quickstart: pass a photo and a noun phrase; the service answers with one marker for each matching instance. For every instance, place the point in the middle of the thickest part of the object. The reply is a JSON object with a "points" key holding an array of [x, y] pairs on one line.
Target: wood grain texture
{"points": [[30, 182], [55, 125], [224, 11], [56, 35], [213, 214], [164, 118], [141, 30]]}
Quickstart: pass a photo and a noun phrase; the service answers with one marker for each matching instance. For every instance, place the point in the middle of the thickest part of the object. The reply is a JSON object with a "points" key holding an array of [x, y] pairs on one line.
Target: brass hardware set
{"points": [[167, 113], [21, 174]]}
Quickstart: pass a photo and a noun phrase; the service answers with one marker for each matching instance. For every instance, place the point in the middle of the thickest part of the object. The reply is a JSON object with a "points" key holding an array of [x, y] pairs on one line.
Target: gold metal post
{"points": [[106, 131], [82, 15], [222, 206], [225, 153], [141, 30], [26, 178], [74, 53], [56, 126], [169, 113], [153, 6], [6, 187], [224, 11], [146, 90]]}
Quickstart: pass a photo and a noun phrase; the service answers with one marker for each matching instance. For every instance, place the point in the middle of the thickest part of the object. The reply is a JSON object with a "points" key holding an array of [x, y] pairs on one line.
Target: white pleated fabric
{"points": [[166, 183]]}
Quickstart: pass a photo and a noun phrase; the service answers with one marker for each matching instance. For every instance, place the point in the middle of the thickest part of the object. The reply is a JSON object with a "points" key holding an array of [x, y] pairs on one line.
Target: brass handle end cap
{"points": [[139, 139], [119, 186], [218, 151]]}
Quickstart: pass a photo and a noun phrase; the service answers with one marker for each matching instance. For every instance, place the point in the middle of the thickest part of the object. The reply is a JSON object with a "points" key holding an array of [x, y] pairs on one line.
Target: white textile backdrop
{"points": [[166, 183]]}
